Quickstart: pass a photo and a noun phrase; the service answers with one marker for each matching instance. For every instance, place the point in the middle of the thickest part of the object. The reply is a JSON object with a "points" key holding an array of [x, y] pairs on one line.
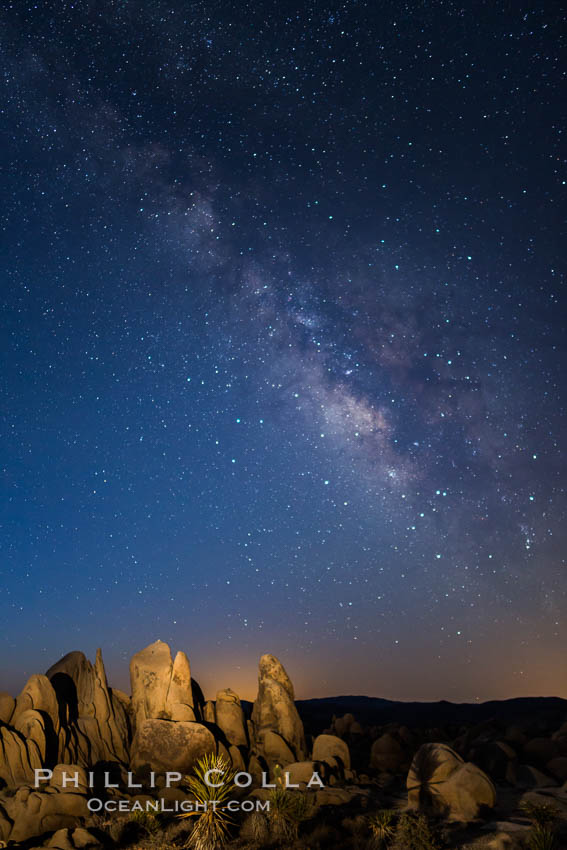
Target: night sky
{"points": [[282, 342]]}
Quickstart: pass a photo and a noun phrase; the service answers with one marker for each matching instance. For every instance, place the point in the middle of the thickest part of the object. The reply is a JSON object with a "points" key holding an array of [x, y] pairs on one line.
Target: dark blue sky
{"points": [[282, 342]]}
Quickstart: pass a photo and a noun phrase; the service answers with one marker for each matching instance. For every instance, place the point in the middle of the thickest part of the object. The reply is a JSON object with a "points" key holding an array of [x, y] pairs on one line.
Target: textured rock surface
{"points": [[327, 747], [32, 725], [18, 758], [161, 688], [440, 781], [38, 694], [276, 750], [209, 714], [301, 771], [69, 778], [7, 706], [36, 812], [162, 745], [230, 717], [94, 727], [274, 708], [237, 758]]}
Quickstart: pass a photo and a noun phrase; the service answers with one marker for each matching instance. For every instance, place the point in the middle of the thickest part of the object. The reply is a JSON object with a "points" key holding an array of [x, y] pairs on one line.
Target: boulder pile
{"points": [[70, 719]]}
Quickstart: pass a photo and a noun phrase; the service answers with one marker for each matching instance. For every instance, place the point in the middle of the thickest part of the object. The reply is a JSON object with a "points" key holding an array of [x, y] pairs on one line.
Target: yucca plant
{"points": [[287, 811], [212, 828], [382, 827], [542, 838], [540, 814], [543, 816], [281, 823]]}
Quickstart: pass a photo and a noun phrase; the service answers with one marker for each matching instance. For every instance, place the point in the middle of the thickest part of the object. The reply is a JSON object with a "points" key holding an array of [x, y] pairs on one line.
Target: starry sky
{"points": [[282, 342]]}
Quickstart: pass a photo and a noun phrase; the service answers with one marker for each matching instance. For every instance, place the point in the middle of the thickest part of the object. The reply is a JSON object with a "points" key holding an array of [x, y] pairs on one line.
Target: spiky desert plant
{"points": [[287, 811], [540, 814], [281, 823], [542, 838], [212, 828], [148, 821], [413, 830], [382, 828]]}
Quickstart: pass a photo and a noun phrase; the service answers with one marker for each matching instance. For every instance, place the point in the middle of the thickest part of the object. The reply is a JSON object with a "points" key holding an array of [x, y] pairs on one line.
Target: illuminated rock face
{"points": [[163, 745], [32, 813], [327, 747], [440, 781], [94, 725], [161, 688], [274, 708], [230, 717]]}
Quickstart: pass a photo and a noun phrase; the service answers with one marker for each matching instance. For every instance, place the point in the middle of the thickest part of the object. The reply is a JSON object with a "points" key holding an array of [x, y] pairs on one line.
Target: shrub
{"points": [[413, 830], [540, 814], [149, 822], [255, 828], [212, 828], [382, 828], [287, 811], [542, 838]]}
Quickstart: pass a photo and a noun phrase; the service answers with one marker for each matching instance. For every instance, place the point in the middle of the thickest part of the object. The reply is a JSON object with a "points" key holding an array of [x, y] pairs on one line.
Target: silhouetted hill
{"points": [[317, 713]]}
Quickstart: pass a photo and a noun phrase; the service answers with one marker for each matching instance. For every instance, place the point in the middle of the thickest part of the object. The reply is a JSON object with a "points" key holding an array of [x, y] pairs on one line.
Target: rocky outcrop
{"points": [[209, 713], [236, 758], [276, 750], [73, 839], [327, 747], [33, 813], [36, 717], [274, 709], [302, 771], [440, 781], [161, 688], [18, 758], [162, 745], [69, 778], [38, 695], [7, 706], [230, 717], [387, 753], [94, 726]]}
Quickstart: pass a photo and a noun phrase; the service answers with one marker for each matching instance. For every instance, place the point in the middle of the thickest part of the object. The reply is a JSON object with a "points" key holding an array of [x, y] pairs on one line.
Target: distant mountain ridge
{"points": [[318, 713]]}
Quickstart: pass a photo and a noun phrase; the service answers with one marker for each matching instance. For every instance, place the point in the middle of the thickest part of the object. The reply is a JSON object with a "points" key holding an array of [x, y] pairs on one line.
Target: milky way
{"points": [[282, 343]]}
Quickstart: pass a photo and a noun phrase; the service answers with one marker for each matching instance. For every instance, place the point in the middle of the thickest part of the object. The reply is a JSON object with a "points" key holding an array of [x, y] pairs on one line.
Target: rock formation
{"points": [[33, 813], [230, 717], [94, 724], [162, 745], [327, 747], [274, 710], [7, 705], [440, 781], [161, 688], [387, 753], [18, 758]]}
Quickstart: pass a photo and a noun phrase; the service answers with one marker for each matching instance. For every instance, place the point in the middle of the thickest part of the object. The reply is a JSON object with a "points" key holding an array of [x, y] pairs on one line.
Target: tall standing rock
{"points": [[230, 717], [274, 708], [36, 717], [161, 688], [94, 725]]}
